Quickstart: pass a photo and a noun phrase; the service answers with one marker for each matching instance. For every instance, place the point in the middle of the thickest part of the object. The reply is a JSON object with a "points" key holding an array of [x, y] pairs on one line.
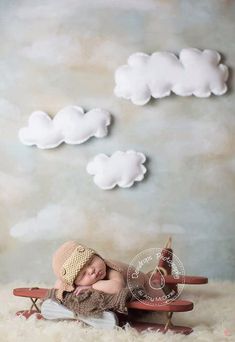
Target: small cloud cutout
{"points": [[70, 125], [195, 72], [122, 169]]}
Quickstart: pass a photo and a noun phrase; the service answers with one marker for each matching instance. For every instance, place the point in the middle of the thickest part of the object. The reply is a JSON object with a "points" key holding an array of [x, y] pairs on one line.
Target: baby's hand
{"points": [[80, 288]]}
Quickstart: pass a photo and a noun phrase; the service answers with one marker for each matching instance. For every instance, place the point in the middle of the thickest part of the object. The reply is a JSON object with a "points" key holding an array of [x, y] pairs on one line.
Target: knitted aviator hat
{"points": [[67, 262]]}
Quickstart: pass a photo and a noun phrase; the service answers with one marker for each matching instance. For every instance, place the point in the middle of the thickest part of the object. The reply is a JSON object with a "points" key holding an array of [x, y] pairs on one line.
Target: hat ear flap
{"points": [[68, 288], [61, 287]]}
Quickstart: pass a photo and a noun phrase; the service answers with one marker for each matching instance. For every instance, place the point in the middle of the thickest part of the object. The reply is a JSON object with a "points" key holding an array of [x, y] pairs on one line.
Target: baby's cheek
{"points": [[86, 280], [78, 280]]}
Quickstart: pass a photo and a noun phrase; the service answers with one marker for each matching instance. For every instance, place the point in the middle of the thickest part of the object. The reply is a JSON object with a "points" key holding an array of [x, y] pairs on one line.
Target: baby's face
{"points": [[93, 271]]}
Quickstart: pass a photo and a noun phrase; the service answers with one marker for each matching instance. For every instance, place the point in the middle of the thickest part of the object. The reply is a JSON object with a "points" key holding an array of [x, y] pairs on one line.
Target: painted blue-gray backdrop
{"points": [[56, 53]]}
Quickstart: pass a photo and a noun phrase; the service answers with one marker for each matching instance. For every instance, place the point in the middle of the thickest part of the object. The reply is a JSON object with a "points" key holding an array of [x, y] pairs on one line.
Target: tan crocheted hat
{"points": [[67, 262]]}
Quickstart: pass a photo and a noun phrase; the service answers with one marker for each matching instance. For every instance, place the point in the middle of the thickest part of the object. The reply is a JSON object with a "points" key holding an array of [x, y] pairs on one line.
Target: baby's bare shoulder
{"points": [[122, 266], [116, 276], [113, 274]]}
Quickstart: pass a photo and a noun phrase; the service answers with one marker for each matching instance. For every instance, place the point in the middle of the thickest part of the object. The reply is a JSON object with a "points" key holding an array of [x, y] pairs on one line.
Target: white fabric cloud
{"points": [[122, 169], [70, 125], [195, 72]]}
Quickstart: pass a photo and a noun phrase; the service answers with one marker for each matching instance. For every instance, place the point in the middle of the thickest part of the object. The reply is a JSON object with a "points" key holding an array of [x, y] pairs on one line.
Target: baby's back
{"points": [[142, 278]]}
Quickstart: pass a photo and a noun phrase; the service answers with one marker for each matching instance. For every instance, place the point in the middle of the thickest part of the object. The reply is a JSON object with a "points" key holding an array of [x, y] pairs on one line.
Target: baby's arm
{"points": [[142, 277], [112, 285]]}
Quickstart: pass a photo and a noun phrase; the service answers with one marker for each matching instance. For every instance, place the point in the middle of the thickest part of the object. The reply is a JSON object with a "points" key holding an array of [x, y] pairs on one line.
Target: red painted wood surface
{"points": [[29, 313], [166, 259], [174, 306], [33, 292], [189, 280], [169, 279]]}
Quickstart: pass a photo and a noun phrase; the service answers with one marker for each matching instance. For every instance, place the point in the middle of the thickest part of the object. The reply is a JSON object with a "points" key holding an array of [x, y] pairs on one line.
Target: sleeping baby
{"points": [[92, 289], [79, 268]]}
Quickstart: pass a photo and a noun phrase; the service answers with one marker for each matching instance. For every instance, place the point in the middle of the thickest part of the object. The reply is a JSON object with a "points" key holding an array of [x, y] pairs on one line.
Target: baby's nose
{"points": [[91, 270]]}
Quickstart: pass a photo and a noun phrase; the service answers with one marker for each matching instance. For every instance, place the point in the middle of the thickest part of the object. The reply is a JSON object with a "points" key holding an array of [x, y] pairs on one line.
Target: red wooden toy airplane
{"points": [[163, 270]]}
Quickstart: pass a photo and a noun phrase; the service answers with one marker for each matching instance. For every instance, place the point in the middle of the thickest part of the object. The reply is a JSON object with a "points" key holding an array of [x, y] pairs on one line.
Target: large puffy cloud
{"points": [[195, 72], [70, 125], [122, 169]]}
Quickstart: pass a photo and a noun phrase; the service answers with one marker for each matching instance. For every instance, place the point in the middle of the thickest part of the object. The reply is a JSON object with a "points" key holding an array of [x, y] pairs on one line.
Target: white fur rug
{"points": [[212, 319]]}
